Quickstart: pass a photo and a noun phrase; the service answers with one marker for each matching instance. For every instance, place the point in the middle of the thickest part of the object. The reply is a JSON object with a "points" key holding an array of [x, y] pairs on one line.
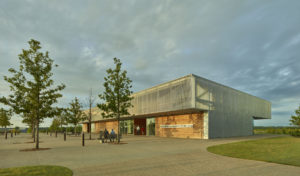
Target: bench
{"points": [[110, 137]]}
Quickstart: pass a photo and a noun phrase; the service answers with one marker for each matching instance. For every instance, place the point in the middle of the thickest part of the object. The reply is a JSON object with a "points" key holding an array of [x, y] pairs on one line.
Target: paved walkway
{"points": [[140, 156]]}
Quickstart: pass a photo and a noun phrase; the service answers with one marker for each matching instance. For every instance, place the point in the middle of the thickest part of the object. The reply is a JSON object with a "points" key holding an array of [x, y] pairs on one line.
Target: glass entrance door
{"points": [[150, 126], [126, 127]]}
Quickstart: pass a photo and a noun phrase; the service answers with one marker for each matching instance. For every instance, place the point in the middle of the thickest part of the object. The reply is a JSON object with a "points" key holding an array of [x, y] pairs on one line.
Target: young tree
{"points": [[55, 125], [295, 120], [117, 95], [17, 129], [75, 114], [32, 86], [5, 116], [62, 117], [90, 100], [28, 118]]}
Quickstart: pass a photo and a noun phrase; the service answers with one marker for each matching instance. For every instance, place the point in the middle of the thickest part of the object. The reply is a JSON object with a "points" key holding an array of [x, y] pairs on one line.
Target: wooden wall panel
{"points": [[195, 132], [85, 128], [100, 126]]}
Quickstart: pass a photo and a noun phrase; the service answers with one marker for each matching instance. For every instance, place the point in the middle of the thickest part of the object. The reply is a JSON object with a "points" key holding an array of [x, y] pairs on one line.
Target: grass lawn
{"points": [[283, 150], [36, 171]]}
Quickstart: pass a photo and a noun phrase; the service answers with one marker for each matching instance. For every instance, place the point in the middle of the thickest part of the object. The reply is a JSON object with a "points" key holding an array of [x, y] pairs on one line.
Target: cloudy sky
{"points": [[253, 46]]}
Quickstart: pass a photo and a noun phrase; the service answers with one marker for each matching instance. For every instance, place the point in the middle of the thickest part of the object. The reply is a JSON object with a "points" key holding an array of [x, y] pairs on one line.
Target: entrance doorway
{"points": [[88, 127], [126, 127], [139, 126], [150, 126]]}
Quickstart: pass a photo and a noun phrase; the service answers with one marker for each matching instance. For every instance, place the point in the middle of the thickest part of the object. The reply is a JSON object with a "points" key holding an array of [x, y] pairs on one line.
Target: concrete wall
{"points": [[195, 132], [230, 112]]}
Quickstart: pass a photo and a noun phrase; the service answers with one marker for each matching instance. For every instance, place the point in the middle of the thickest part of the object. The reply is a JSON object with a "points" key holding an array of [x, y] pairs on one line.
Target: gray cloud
{"points": [[252, 46]]}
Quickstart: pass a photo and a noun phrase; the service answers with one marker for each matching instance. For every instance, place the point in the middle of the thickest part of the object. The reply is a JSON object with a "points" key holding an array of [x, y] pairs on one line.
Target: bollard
{"points": [[5, 135], [11, 134], [65, 136], [56, 134], [82, 139]]}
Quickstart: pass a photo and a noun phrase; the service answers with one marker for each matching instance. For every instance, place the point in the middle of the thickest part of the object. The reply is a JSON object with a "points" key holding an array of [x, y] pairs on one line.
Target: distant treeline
{"points": [[8, 130], [43, 129], [294, 131], [265, 127], [63, 129]]}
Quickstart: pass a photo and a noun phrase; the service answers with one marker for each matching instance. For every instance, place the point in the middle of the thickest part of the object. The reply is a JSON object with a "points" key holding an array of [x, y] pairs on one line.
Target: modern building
{"points": [[188, 107]]}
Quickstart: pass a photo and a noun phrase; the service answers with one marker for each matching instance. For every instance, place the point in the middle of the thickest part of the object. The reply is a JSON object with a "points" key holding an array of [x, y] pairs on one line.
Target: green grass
{"points": [[283, 150], [36, 171]]}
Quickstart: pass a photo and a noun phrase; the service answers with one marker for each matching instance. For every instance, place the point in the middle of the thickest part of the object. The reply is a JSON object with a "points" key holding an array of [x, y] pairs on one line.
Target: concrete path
{"points": [[140, 156]]}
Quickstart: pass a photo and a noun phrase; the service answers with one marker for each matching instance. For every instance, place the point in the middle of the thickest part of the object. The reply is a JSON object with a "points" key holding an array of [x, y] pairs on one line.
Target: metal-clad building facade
{"points": [[229, 112], [171, 96], [192, 107]]}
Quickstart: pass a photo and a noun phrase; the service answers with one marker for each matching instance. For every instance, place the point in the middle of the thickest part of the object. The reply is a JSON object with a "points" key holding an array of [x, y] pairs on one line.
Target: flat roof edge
{"points": [[162, 84], [196, 76], [153, 115]]}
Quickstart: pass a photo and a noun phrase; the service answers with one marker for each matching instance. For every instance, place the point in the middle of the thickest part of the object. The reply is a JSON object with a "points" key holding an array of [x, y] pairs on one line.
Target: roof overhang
{"points": [[259, 118], [159, 114]]}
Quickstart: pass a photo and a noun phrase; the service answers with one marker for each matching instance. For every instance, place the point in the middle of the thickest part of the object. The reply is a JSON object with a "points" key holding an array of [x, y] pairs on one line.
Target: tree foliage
{"points": [[5, 116], [32, 88], [29, 119], [62, 116], [75, 114], [295, 120], [117, 95], [55, 124]]}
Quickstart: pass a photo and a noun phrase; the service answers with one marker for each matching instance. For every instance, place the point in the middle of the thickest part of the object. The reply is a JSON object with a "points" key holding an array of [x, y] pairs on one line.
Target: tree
{"points": [[17, 129], [117, 95], [55, 124], [295, 120], [90, 100], [75, 114], [5, 116], [32, 87], [28, 118], [62, 117]]}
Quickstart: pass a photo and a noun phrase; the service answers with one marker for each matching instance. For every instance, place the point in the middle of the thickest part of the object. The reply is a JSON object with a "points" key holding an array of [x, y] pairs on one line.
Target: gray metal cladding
{"points": [[170, 96], [231, 112]]}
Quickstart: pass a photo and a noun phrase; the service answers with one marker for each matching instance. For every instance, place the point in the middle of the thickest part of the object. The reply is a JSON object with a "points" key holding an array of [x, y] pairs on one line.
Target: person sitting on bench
{"points": [[106, 134], [112, 135]]}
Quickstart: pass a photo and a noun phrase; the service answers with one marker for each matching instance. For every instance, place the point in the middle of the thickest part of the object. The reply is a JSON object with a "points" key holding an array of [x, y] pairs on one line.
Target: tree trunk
{"points": [[33, 132], [91, 100], [5, 132], [90, 126], [37, 135], [37, 120], [118, 128], [90, 119], [75, 130]]}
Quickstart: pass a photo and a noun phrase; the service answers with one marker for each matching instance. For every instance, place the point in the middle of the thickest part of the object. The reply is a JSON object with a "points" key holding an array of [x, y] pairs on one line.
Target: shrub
{"points": [[277, 130], [295, 133]]}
